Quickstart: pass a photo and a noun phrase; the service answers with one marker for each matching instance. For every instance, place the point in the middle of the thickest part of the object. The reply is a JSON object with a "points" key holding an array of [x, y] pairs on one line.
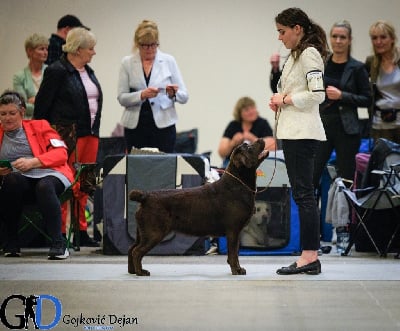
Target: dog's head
{"points": [[249, 155], [262, 212]]}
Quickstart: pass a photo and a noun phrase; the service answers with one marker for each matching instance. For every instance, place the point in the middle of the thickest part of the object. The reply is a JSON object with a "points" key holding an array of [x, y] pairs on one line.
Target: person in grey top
{"points": [[34, 169], [384, 70]]}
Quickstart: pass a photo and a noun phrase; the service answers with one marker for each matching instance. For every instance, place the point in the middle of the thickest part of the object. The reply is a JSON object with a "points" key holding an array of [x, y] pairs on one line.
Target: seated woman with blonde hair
{"points": [[247, 126]]}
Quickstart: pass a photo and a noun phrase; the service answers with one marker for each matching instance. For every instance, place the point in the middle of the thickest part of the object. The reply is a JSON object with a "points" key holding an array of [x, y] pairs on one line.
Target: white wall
{"points": [[222, 46]]}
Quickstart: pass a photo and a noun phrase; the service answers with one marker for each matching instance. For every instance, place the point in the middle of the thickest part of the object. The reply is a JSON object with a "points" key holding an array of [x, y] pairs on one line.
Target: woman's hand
{"points": [[24, 164], [237, 139], [5, 171], [276, 101], [148, 93], [333, 93], [171, 90], [247, 135]]}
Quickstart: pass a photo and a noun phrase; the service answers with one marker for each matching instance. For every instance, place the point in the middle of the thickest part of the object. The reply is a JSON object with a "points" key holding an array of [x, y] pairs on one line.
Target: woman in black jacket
{"points": [[70, 98], [347, 88]]}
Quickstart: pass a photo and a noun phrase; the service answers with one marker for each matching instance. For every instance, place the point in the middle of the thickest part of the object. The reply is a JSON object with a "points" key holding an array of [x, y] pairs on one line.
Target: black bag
{"points": [[87, 178], [388, 115], [67, 133], [186, 141]]}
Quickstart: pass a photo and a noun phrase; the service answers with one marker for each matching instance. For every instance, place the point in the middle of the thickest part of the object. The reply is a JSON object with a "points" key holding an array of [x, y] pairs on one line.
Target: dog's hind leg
{"points": [[233, 254], [141, 250], [131, 267]]}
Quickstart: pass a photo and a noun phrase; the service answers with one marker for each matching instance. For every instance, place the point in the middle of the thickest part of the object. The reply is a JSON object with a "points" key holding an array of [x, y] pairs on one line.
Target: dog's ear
{"points": [[262, 156]]}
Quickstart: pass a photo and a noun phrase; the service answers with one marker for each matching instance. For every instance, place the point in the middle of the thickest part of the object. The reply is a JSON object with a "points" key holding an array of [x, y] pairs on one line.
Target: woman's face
{"points": [[290, 37], [249, 114], [38, 54], [148, 51], [340, 40], [86, 54], [10, 117], [381, 41]]}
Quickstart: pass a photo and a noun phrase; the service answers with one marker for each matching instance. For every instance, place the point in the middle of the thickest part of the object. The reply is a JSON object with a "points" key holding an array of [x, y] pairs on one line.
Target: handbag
{"points": [[67, 133], [388, 115]]}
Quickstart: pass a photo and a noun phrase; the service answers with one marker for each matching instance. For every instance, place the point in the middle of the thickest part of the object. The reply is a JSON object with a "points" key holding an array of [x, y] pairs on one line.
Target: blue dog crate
{"points": [[274, 227]]}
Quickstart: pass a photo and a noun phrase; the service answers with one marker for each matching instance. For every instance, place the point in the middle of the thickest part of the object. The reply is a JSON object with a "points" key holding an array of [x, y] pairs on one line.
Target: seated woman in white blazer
{"points": [[149, 85]]}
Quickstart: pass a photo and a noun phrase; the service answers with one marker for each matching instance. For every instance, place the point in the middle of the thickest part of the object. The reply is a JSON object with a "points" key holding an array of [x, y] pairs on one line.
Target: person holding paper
{"points": [[149, 85]]}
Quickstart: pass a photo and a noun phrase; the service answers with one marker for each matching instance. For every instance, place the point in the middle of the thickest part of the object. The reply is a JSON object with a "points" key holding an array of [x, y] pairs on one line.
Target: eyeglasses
{"points": [[149, 46]]}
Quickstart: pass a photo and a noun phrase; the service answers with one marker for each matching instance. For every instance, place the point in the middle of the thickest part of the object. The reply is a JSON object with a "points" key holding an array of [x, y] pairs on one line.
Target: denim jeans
{"points": [[299, 160]]}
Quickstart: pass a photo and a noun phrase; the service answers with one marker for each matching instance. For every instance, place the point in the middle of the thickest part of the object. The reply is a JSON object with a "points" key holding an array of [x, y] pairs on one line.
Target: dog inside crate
{"points": [[269, 227]]}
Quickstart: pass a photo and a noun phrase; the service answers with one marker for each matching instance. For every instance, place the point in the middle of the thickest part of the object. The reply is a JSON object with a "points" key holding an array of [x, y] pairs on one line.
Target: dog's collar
{"points": [[240, 181]]}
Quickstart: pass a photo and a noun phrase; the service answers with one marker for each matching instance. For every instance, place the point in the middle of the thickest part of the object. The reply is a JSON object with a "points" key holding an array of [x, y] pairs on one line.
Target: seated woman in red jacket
{"points": [[39, 173]]}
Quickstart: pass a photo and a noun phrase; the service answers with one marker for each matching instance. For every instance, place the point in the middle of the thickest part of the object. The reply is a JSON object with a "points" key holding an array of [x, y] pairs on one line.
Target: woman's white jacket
{"points": [[131, 82]]}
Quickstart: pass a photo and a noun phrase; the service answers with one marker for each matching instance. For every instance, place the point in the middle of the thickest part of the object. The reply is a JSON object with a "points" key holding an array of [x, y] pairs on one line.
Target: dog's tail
{"points": [[137, 195]]}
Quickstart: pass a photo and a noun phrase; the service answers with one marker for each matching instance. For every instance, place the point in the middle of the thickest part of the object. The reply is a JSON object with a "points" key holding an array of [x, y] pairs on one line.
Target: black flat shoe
{"points": [[313, 268]]}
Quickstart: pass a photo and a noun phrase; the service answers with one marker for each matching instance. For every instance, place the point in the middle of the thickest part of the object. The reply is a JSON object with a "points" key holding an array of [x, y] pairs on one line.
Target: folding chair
{"points": [[32, 216], [364, 202]]}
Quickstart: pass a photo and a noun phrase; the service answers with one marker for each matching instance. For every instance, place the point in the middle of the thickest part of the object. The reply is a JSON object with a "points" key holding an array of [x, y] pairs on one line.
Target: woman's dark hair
{"points": [[12, 97], [314, 35]]}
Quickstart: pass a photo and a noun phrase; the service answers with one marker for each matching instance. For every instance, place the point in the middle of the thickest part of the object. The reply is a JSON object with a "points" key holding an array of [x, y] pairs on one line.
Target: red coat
{"points": [[46, 145]]}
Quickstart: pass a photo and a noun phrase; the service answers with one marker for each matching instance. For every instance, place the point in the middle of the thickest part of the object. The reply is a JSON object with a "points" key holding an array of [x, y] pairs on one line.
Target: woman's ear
{"points": [[29, 53], [298, 28]]}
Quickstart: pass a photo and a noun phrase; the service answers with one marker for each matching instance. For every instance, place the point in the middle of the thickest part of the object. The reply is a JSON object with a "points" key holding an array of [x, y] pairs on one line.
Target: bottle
{"points": [[342, 239]]}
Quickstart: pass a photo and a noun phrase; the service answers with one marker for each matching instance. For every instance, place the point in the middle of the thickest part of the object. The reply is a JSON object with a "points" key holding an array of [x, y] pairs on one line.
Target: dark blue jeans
{"points": [[299, 160]]}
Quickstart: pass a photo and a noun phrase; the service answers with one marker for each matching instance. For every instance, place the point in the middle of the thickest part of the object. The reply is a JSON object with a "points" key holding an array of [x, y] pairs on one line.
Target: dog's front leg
{"points": [[131, 267], [233, 254]]}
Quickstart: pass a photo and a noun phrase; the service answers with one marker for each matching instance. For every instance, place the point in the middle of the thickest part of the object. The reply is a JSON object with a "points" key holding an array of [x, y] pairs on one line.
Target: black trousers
{"points": [[345, 145], [18, 190], [147, 134], [299, 160]]}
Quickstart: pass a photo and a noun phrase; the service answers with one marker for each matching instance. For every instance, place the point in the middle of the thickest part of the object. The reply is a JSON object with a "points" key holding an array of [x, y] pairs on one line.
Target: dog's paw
{"points": [[239, 271], [143, 273]]}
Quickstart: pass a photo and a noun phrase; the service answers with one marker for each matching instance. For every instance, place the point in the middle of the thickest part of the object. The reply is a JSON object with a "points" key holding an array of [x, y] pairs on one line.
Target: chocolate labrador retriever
{"points": [[217, 209]]}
